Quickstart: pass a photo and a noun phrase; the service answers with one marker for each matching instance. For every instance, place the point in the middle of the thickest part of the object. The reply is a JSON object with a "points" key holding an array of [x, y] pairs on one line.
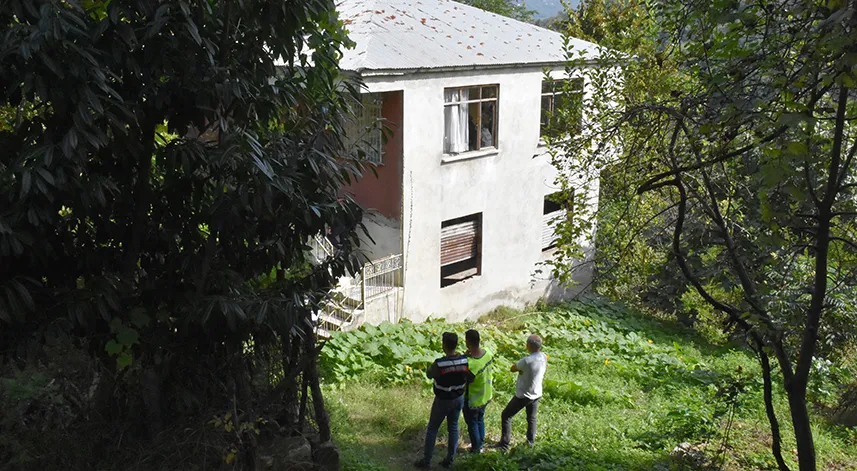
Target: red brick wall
{"points": [[384, 193]]}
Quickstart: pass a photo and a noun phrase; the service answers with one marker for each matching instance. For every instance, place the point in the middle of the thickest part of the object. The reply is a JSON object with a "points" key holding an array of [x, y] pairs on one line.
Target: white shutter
{"points": [[549, 223]]}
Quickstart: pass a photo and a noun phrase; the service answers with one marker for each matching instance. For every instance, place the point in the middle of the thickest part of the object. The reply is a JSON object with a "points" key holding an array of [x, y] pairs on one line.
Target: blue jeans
{"points": [[449, 409], [475, 419]]}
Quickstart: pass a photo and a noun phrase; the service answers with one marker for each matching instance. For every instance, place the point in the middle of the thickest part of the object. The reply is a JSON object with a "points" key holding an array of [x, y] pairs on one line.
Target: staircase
{"points": [[346, 305], [340, 312]]}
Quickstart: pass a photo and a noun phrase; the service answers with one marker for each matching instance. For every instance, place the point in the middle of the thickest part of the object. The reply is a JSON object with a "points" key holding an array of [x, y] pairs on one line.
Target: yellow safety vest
{"points": [[481, 389]]}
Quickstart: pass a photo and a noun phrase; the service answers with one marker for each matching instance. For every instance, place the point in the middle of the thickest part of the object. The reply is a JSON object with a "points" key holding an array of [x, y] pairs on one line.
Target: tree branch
{"points": [[776, 439], [703, 164]]}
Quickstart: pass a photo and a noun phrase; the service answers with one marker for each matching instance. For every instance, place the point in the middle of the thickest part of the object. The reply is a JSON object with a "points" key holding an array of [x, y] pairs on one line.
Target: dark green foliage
{"points": [[160, 177], [744, 151]]}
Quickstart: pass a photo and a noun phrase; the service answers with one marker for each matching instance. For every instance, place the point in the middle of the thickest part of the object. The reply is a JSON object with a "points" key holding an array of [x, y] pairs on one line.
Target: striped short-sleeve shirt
{"points": [[450, 376]]}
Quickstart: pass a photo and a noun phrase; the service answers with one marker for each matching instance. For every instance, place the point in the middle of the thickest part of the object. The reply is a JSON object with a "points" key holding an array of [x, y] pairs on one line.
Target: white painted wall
{"points": [[508, 188], [385, 236]]}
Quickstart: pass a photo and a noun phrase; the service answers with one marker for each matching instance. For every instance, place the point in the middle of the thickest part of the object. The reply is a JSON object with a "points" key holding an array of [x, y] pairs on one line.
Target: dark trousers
{"points": [[449, 409], [475, 419], [515, 406]]}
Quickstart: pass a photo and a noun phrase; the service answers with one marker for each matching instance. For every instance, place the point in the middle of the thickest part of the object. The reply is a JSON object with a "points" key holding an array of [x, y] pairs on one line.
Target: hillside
{"points": [[622, 392]]}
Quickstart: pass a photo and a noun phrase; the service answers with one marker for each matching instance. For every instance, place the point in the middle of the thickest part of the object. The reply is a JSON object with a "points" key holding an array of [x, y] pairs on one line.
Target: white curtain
{"points": [[457, 132]]}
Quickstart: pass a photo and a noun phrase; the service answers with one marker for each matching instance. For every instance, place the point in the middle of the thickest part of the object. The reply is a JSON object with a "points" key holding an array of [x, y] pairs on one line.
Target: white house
{"points": [[460, 207]]}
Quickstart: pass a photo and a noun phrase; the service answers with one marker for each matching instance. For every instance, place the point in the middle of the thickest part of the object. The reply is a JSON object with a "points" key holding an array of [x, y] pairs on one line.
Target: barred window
{"points": [[363, 130]]}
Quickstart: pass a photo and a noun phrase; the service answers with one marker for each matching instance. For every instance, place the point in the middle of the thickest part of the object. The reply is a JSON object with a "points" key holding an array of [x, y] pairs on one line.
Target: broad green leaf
{"points": [[112, 348], [127, 336]]}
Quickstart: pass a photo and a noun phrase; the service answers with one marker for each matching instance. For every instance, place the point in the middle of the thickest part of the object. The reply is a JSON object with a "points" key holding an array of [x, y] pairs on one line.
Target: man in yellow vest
{"points": [[480, 389]]}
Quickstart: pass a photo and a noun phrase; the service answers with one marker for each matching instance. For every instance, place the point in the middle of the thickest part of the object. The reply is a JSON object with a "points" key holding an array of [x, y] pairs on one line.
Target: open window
{"points": [[460, 249], [554, 211], [363, 130], [562, 102], [470, 118]]}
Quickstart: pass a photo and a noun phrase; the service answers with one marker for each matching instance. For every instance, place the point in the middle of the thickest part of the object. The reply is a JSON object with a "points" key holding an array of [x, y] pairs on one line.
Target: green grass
{"points": [[621, 391]]}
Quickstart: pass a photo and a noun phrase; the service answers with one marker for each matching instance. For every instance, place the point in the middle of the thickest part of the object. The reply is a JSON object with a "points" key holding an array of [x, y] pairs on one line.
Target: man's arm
{"points": [[520, 365], [515, 368], [470, 377], [431, 371]]}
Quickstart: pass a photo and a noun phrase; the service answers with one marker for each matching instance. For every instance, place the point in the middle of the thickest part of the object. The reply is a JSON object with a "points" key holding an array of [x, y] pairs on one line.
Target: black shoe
{"points": [[447, 463], [500, 446], [422, 464]]}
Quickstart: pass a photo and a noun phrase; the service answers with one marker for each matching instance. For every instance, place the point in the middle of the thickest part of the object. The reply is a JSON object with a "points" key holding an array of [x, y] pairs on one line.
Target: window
{"points": [[470, 118], [554, 209], [363, 130], [460, 249], [559, 97]]}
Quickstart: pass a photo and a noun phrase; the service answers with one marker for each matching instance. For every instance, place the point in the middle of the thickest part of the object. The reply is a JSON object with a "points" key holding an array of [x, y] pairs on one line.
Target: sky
{"points": [[546, 8]]}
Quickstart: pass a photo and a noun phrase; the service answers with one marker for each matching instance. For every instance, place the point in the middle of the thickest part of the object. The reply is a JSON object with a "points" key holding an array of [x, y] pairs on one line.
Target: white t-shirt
{"points": [[531, 372]]}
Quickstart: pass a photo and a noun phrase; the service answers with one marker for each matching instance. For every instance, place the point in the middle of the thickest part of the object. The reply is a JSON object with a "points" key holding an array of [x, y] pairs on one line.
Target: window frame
{"points": [[462, 266], [566, 212], [544, 127], [495, 118]]}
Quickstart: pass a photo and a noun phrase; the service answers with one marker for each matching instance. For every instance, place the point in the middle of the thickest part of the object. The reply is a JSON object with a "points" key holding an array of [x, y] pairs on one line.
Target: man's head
{"points": [[534, 343], [450, 342], [471, 339]]}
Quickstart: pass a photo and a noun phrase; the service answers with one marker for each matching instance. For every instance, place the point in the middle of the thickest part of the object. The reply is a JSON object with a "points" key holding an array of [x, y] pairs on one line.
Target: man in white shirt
{"points": [[531, 373]]}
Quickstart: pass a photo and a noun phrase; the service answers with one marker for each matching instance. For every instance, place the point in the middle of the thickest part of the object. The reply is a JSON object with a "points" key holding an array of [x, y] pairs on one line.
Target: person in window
{"points": [[487, 138], [472, 135], [450, 379]]}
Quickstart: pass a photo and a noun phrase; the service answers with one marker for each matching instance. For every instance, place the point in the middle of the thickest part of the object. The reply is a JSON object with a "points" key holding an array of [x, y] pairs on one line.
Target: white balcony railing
{"points": [[376, 279]]}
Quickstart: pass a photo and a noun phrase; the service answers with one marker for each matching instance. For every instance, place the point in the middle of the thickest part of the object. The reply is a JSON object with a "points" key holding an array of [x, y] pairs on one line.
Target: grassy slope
{"points": [[621, 391]]}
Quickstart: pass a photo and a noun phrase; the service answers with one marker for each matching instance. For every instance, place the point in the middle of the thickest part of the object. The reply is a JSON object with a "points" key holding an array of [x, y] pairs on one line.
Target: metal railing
{"points": [[376, 279], [321, 247], [380, 276]]}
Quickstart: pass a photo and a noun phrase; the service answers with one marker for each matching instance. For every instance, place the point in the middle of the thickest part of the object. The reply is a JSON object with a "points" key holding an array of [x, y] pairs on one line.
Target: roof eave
{"points": [[367, 72]]}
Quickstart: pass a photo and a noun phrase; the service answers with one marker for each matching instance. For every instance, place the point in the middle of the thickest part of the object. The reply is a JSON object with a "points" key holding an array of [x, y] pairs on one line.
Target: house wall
{"points": [[507, 186], [383, 193], [384, 236]]}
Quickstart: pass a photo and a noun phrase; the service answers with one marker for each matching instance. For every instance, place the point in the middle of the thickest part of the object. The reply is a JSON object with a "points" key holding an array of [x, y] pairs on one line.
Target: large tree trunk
{"points": [[321, 417], [150, 386], [802, 426]]}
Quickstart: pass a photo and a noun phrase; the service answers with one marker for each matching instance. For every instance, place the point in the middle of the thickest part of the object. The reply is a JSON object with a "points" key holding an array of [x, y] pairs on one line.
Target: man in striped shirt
{"points": [[450, 378]]}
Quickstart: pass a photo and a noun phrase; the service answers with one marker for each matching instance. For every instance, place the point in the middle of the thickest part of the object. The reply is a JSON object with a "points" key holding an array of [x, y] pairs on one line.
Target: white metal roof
{"points": [[400, 35]]}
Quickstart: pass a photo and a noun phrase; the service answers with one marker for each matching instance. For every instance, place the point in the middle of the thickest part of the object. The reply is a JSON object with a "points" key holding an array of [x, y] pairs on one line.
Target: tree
{"points": [[164, 165], [618, 24], [503, 7], [752, 150]]}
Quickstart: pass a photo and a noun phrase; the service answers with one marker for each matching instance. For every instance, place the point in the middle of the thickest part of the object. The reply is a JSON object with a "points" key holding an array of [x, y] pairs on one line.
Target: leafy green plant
{"points": [[621, 391]]}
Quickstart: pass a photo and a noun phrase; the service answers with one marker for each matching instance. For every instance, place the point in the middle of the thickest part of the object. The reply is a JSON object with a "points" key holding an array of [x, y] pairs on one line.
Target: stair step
{"points": [[325, 317], [347, 298], [322, 333]]}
